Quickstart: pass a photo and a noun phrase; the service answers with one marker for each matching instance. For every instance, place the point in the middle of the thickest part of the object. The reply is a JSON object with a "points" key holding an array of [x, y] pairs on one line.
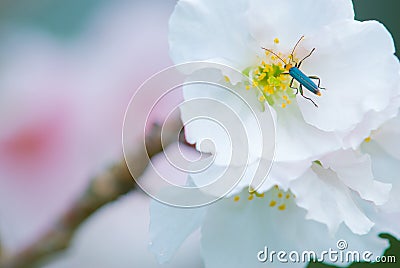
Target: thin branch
{"points": [[103, 189]]}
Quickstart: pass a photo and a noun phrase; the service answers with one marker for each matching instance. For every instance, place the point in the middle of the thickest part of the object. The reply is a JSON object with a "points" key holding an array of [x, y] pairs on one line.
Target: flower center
{"points": [[270, 79], [276, 197]]}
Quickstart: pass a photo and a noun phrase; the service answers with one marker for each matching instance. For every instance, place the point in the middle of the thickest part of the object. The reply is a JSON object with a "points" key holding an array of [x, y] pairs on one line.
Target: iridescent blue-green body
{"points": [[304, 80], [293, 69]]}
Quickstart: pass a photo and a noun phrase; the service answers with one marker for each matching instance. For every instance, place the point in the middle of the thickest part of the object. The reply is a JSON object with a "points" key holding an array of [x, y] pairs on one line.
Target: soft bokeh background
{"points": [[67, 71]]}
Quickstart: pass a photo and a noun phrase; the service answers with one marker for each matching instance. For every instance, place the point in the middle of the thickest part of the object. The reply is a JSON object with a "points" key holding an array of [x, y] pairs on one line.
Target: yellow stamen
{"points": [[272, 203], [276, 41], [262, 76], [236, 199], [251, 197], [227, 79], [280, 195], [282, 207], [368, 139], [259, 195], [267, 69], [267, 75]]}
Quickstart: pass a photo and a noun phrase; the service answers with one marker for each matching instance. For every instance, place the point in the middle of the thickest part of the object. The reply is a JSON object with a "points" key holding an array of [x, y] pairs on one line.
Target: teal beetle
{"points": [[299, 76]]}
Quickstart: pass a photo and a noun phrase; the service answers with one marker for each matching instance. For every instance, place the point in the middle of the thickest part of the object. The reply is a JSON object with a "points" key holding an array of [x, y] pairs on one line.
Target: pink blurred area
{"points": [[40, 124], [62, 106]]}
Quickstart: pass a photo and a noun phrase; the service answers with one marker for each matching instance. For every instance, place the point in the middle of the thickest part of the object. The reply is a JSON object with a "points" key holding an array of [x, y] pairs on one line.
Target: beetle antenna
{"points": [[295, 46], [269, 50]]}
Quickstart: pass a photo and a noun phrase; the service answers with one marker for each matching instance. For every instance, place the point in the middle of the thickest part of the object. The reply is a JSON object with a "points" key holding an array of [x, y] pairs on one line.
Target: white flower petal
{"points": [[202, 30], [288, 20], [234, 232], [296, 140], [388, 137], [386, 168], [228, 244], [225, 117], [329, 201], [387, 219], [170, 226], [282, 173], [358, 78], [355, 171], [372, 121]]}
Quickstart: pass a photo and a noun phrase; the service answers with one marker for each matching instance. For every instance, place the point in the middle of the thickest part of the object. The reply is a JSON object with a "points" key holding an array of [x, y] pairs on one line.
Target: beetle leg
{"points": [[291, 86], [302, 94], [300, 62], [319, 81]]}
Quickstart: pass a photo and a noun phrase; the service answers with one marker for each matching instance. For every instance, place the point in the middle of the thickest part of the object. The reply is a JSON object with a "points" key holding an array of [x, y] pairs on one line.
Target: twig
{"points": [[103, 189]]}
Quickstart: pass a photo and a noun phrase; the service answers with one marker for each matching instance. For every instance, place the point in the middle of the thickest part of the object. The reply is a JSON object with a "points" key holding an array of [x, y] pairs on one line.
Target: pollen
{"points": [[227, 79], [276, 41], [267, 68], [368, 139], [270, 80], [260, 195], [283, 198], [252, 195], [282, 207], [261, 76]]}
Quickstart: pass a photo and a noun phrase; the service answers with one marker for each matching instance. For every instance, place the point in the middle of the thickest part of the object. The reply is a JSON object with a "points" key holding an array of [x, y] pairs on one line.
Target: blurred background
{"points": [[67, 71]]}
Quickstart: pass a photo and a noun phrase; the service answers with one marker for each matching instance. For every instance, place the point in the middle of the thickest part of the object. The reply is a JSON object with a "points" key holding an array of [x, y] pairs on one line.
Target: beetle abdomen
{"points": [[304, 80]]}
